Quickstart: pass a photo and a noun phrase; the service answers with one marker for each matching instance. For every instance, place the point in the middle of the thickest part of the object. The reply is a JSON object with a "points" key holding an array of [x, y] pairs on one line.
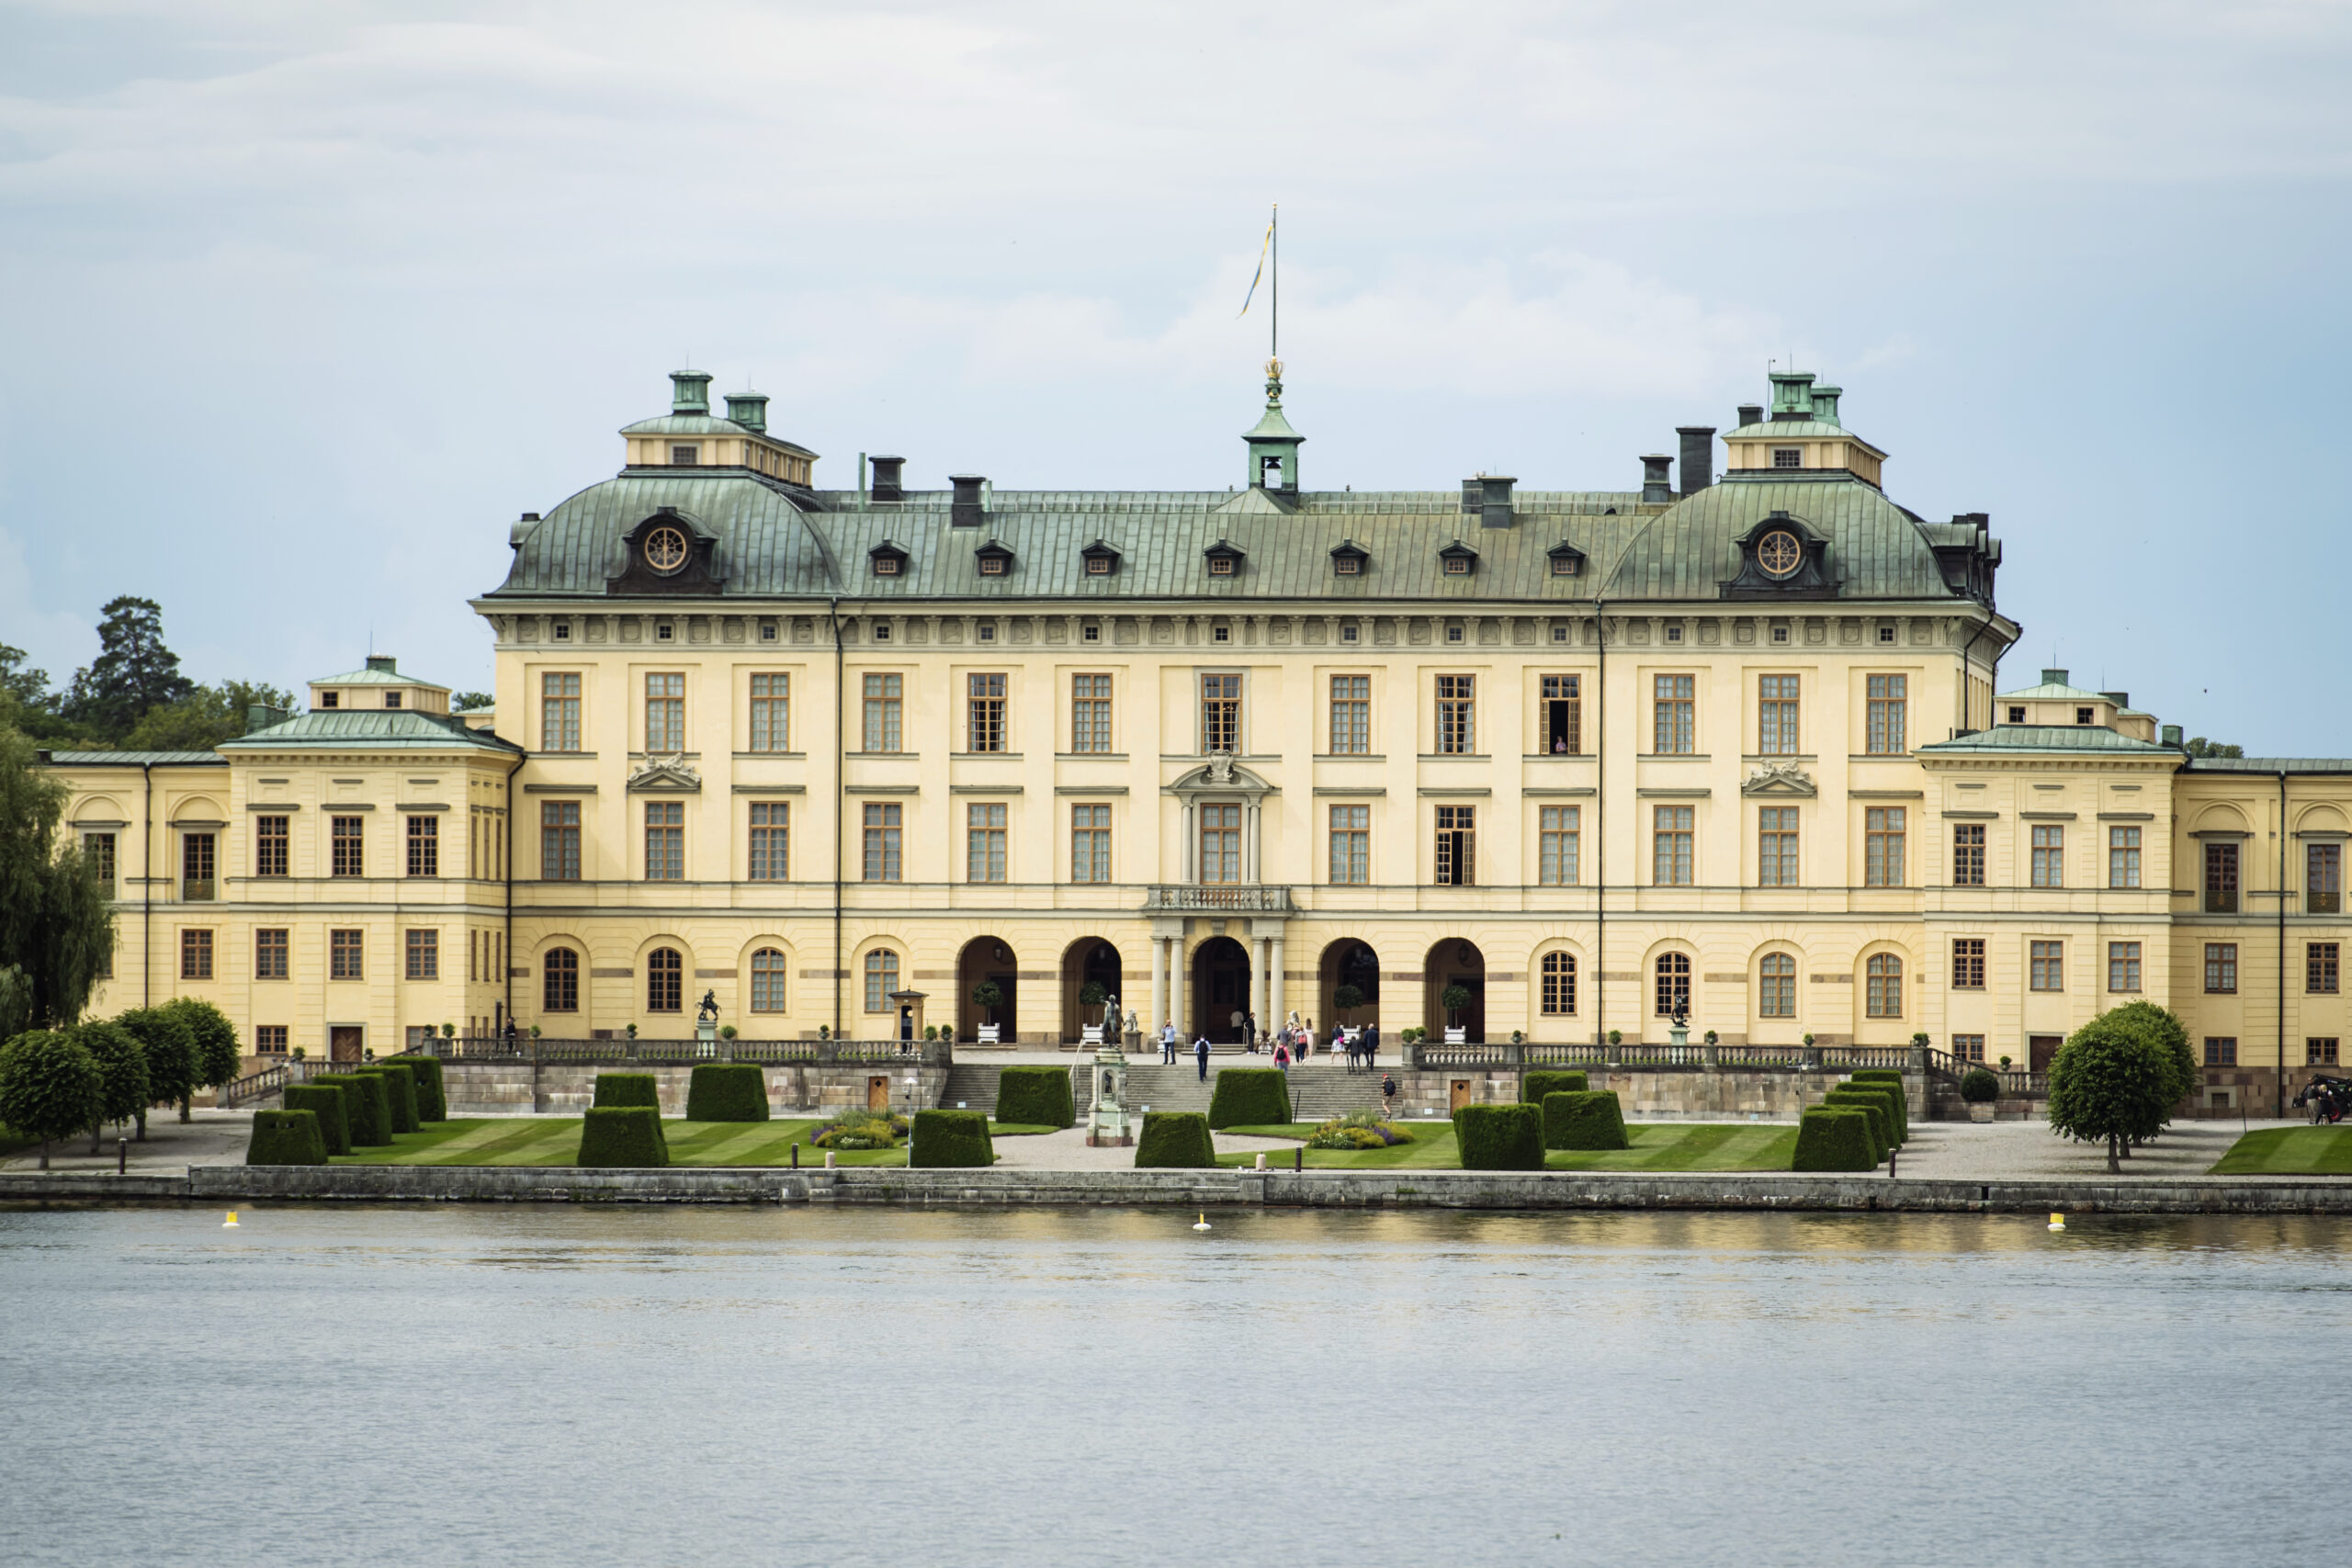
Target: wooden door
{"points": [[343, 1043], [1460, 1096], [2040, 1048], [877, 1093]]}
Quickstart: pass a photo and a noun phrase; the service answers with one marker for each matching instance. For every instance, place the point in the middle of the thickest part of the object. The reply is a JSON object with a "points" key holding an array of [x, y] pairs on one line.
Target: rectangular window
{"points": [[1220, 843], [1090, 712], [270, 953], [771, 833], [2048, 855], [881, 977], [2320, 1052], [1776, 985], [1457, 846], [1884, 839], [1674, 723], [884, 695], [1968, 854], [1670, 828], [1882, 985], [1776, 844], [1220, 713], [196, 867], [1968, 963], [1090, 844], [2323, 879], [98, 848], [559, 712], [196, 955], [665, 713], [984, 828], [347, 835], [686, 456], [425, 955], [1563, 714], [1968, 1047], [1351, 715], [1777, 716], [1559, 985], [2123, 965], [2320, 968], [424, 846], [271, 839], [1350, 845], [343, 955], [2221, 1051], [1557, 839], [269, 1038], [665, 840], [2220, 968], [1885, 735], [1457, 713], [2123, 857], [1788, 457], [883, 826], [2221, 879], [560, 841], [770, 713], [984, 728], [2046, 966]]}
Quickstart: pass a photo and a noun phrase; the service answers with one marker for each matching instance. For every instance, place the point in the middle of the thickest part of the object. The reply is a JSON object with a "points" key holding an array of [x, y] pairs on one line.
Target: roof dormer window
{"points": [[2017, 712], [1788, 457], [330, 699], [2086, 716], [392, 700], [685, 455]]}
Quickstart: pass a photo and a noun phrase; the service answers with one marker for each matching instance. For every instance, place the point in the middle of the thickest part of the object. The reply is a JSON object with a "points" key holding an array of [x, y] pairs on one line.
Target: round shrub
{"points": [[1979, 1087], [1590, 1120], [1536, 1087], [951, 1138], [325, 1102], [1833, 1138], [1500, 1137], [728, 1091], [624, 1135], [1249, 1097], [50, 1086], [1175, 1140], [1036, 1096], [616, 1089], [286, 1137]]}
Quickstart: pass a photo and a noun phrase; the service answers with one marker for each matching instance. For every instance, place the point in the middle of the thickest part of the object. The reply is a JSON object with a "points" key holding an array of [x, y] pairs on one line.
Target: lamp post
{"points": [[911, 1082]]}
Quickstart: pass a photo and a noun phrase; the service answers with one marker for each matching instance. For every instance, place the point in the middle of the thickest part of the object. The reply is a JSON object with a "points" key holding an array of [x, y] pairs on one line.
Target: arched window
{"points": [[1776, 985], [559, 986], [767, 980], [881, 979], [1883, 986], [664, 980], [1559, 985], [1673, 985]]}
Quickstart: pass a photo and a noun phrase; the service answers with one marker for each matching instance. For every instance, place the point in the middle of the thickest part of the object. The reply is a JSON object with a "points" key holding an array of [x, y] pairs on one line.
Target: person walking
{"points": [[1387, 1097], [1281, 1059], [1167, 1042], [1249, 1028], [1201, 1053], [1371, 1046]]}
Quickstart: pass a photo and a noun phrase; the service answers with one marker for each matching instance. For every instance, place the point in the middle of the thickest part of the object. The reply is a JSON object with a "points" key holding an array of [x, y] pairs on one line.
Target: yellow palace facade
{"points": [[1734, 747]]}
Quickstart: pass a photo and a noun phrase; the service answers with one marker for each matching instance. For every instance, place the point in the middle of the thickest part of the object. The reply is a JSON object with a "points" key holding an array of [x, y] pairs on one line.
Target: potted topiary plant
{"points": [[1710, 1037], [824, 1032], [931, 1032], [1093, 994], [727, 1031], [1980, 1089], [1454, 999], [1519, 1037], [535, 1032], [448, 1032], [632, 1031], [988, 996], [1345, 999]]}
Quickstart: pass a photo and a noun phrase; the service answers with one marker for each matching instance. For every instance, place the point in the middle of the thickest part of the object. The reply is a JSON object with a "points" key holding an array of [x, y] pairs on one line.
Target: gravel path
{"points": [[1998, 1151]]}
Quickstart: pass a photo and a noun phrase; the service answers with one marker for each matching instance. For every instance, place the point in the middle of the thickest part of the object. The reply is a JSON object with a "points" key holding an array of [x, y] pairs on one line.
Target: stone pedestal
{"points": [[706, 1039], [1108, 1125]]}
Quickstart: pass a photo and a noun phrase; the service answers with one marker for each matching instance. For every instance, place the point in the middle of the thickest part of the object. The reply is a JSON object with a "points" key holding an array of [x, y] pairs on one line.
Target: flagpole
{"points": [[1275, 228]]}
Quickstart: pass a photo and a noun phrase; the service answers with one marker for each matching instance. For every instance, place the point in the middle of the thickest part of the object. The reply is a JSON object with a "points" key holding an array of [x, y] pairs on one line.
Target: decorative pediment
{"points": [[1780, 780], [665, 775], [669, 552], [1220, 776], [1782, 557]]}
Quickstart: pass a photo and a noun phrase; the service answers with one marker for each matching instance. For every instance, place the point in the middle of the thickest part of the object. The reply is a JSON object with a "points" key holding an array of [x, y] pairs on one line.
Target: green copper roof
{"points": [[372, 676], [1271, 425], [708, 424], [2046, 738], [372, 729], [134, 759], [1792, 429], [2053, 692]]}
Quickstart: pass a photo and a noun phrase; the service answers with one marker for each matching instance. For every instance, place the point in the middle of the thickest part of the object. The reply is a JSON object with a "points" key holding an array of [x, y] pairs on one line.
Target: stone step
{"points": [[970, 1088]]}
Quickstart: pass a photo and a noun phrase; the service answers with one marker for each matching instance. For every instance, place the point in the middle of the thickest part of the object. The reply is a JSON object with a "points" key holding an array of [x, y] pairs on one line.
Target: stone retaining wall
{"points": [[1656, 1094], [520, 1088]]}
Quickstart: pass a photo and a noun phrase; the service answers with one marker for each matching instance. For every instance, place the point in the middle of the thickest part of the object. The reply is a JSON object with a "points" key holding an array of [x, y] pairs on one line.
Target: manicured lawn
{"points": [[1019, 1129], [2289, 1151], [555, 1140], [1656, 1146]]}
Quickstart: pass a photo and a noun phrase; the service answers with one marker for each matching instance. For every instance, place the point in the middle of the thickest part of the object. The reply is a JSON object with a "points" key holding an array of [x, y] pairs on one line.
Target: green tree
{"points": [[1345, 999], [133, 671], [2199, 747], [205, 718], [49, 1087], [469, 702], [2164, 1030], [215, 1038], [56, 929], [170, 1049], [122, 1074], [26, 701], [2110, 1081]]}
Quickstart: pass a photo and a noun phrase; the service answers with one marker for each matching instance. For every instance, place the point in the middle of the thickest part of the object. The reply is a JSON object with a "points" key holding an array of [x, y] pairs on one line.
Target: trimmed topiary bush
{"points": [[1873, 1107], [1249, 1097], [366, 1107], [1036, 1096], [432, 1094], [400, 1089], [615, 1089], [624, 1135], [1979, 1087], [1175, 1140], [728, 1091], [286, 1137], [950, 1138], [1832, 1137], [1537, 1088], [1890, 1097], [1887, 1078], [325, 1102], [1590, 1119], [1500, 1137]]}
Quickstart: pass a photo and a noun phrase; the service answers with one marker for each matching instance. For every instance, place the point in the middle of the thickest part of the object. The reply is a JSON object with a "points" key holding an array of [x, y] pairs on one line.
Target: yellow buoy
{"points": [[230, 1221], [1204, 1222], [2057, 1222]]}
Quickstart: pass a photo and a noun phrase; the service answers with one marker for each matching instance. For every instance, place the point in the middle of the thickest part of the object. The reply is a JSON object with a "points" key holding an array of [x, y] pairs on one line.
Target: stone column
{"points": [[1275, 1014], [1158, 986], [1258, 979], [1176, 985]]}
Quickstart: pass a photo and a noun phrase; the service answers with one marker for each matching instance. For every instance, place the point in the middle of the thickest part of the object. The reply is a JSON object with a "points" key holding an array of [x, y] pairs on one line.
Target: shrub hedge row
{"points": [[367, 1105], [432, 1093], [324, 1100], [1889, 1096], [1872, 1107], [1889, 1078], [626, 1136], [1586, 1119], [1175, 1140], [1036, 1096], [728, 1091], [1500, 1137], [1248, 1097], [1832, 1137], [286, 1137], [399, 1092], [1537, 1088], [617, 1089], [949, 1138]]}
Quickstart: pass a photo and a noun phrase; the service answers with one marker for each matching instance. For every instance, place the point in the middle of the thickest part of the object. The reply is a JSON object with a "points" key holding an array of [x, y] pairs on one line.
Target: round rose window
{"points": [[1779, 553], [665, 549]]}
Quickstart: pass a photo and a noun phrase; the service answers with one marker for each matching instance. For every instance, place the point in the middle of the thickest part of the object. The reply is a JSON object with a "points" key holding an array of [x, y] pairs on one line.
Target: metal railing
{"points": [[1237, 898], [1436, 1055], [2016, 1083], [263, 1082], [525, 1049]]}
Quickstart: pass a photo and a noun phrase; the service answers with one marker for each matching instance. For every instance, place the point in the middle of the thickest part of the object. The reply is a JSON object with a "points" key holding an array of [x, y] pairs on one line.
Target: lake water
{"points": [[660, 1385]]}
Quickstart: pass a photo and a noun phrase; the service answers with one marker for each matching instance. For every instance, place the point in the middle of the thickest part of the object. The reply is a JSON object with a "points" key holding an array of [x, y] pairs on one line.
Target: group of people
{"points": [[1294, 1042]]}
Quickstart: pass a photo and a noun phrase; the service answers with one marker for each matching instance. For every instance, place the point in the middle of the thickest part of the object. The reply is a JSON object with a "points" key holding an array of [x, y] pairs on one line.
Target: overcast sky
{"points": [[300, 303]]}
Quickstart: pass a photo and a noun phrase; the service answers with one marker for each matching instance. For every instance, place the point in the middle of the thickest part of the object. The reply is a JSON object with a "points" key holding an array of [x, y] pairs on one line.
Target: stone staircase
{"points": [[970, 1088], [1318, 1090]]}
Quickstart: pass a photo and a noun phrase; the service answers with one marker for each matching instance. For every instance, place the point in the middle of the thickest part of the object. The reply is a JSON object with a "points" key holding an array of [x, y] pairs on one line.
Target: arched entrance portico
{"points": [[1088, 961], [1220, 989], [985, 958], [1454, 963], [1347, 963]]}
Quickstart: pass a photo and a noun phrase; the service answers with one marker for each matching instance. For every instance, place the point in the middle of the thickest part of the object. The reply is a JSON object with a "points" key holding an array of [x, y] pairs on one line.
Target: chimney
{"points": [[383, 663], [1791, 394], [260, 716], [2053, 678], [1697, 456], [1473, 496], [748, 410], [1825, 403], [1751, 413], [1493, 502], [2172, 735], [2120, 699], [966, 511], [690, 392], [887, 483], [1655, 486]]}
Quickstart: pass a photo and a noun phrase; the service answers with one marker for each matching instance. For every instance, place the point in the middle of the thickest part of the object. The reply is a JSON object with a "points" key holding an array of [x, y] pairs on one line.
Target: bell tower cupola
{"points": [[1273, 445]]}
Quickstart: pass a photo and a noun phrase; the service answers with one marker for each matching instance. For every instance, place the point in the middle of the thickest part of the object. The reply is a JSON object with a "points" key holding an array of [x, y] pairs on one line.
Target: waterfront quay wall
{"points": [[1655, 1094], [517, 1088]]}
